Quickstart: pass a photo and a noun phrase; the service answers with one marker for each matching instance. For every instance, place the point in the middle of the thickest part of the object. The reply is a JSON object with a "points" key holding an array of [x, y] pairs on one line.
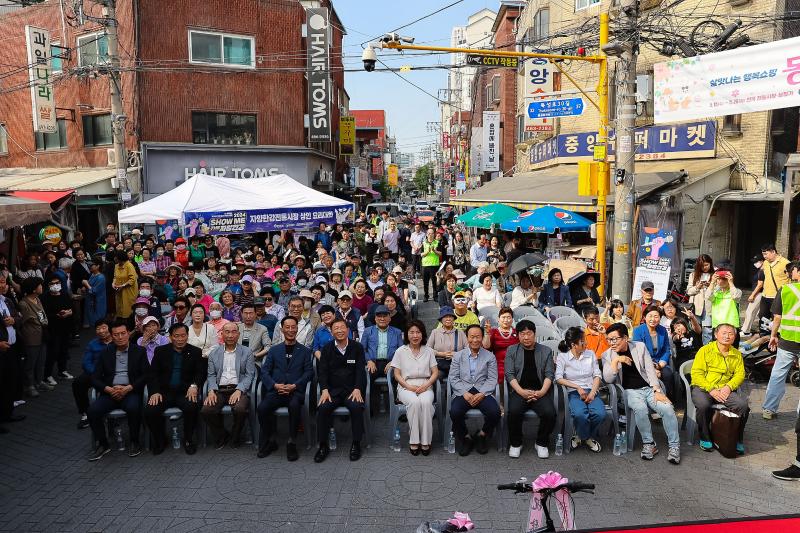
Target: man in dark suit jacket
{"points": [[174, 378], [119, 379], [343, 382], [286, 370]]}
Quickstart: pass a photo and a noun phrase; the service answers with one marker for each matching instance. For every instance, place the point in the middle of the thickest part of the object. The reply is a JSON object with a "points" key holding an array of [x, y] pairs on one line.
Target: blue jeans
{"points": [[640, 401], [587, 417], [784, 361]]}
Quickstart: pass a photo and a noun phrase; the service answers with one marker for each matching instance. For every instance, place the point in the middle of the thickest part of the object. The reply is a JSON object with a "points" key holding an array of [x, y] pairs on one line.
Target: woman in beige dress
{"points": [[415, 372]]}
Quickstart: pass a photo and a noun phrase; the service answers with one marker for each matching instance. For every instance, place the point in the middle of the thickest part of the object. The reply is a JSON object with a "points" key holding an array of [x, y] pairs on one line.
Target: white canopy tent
{"points": [[204, 193]]}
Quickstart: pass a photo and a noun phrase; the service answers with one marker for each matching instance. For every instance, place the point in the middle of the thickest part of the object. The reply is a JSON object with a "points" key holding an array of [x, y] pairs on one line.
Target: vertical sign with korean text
{"points": [[393, 174], [319, 79], [490, 158], [538, 81], [347, 135], [42, 97]]}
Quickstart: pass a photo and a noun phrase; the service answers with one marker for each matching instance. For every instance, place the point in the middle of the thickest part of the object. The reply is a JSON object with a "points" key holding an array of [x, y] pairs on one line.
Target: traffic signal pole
{"points": [[601, 103]]}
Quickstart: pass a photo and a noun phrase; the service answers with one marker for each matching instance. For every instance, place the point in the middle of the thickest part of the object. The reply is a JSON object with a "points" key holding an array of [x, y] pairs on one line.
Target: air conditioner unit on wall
{"points": [[111, 156]]}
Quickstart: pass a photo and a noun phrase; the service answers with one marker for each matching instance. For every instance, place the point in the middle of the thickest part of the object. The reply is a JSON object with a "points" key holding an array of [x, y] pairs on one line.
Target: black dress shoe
{"points": [[3, 430], [291, 451], [14, 418], [222, 442], [158, 449], [270, 447], [190, 448], [426, 451], [413, 451], [466, 447], [355, 451], [321, 454], [481, 446]]}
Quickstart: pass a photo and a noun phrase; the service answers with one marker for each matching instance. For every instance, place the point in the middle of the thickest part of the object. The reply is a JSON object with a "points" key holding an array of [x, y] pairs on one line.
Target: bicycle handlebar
{"points": [[526, 486]]}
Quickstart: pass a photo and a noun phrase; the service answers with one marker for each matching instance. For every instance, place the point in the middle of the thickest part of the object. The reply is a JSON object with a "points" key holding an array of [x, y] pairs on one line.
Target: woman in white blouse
{"points": [[486, 295], [201, 333], [415, 372]]}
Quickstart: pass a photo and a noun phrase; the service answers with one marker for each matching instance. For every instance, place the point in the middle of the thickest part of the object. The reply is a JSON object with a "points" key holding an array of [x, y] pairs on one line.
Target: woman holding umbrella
{"points": [[583, 290]]}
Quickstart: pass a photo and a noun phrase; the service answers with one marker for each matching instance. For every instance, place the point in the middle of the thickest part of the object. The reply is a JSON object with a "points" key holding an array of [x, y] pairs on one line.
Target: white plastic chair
{"points": [[283, 412], [398, 408], [413, 296], [560, 310], [499, 431], [569, 428], [552, 344], [173, 414], [492, 312], [563, 323], [529, 414], [116, 415], [547, 333], [527, 311], [506, 299]]}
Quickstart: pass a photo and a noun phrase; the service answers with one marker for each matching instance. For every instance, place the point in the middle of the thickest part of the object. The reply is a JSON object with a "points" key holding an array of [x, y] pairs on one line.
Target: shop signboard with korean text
{"points": [[653, 143], [39, 71], [347, 135], [319, 80], [538, 81], [393, 175], [490, 158], [743, 80], [227, 222], [478, 60]]}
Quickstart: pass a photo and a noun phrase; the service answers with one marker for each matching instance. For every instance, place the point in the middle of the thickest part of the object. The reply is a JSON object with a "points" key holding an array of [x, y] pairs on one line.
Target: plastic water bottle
{"points": [[382, 406], [396, 441], [560, 444], [451, 444], [176, 439], [618, 445], [623, 442], [332, 439], [118, 438]]}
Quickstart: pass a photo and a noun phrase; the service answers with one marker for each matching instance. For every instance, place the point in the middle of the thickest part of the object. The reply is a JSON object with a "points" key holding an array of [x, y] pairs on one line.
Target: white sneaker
{"points": [[542, 452], [51, 381], [65, 375], [593, 445], [514, 451], [18, 403]]}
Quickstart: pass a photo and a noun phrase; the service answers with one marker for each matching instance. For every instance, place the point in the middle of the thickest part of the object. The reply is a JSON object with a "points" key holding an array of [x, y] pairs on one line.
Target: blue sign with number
{"points": [[555, 108]]}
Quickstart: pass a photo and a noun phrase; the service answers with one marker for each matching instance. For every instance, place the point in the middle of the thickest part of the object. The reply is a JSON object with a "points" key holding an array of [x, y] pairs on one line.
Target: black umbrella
{"points": [[577, 279], [524, 262]]}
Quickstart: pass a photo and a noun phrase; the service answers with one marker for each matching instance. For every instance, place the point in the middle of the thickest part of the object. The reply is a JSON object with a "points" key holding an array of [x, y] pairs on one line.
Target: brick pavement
{"points": [[47, 485]]}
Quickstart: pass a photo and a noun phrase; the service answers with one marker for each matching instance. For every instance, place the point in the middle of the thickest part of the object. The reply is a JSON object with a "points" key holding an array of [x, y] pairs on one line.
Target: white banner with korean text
{"points": [[744, 80], [490, 157], [42, 99]]}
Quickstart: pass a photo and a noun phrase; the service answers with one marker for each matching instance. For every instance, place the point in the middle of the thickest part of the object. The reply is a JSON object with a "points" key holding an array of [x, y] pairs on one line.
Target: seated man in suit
{"points": [[231, 371], [286, 370], [174, 379], [342, 382], [473, 378], [119, 379], [252, 334]]}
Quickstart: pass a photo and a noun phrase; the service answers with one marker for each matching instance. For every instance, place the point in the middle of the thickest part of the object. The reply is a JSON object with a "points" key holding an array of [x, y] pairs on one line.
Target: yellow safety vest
{"points": [[790, 315]]}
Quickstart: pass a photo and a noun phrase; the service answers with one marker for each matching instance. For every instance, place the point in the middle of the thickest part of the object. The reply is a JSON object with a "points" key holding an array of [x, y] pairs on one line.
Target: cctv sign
{"points": [[318, 42]]}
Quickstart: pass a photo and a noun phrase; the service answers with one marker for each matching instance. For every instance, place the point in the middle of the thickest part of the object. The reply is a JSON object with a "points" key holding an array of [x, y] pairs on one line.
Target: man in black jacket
{"points": [[119, 379], [174, 379], [343, 382]]}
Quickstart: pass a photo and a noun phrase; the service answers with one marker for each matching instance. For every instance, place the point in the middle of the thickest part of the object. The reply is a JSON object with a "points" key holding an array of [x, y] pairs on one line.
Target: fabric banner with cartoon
{"points": [[659, 251], [252, 221]]}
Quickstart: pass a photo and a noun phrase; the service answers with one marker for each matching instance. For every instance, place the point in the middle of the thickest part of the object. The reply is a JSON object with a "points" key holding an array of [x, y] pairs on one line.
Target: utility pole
{"points": [[625, 177], [118, 117]]}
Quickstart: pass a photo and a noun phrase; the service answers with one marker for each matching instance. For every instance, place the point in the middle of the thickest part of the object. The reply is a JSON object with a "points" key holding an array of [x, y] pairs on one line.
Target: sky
{"points": [[408, 109]]}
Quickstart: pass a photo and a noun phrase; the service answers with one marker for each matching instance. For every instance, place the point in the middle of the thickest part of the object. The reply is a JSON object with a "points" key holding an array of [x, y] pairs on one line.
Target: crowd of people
{"points": [[335, 308]]}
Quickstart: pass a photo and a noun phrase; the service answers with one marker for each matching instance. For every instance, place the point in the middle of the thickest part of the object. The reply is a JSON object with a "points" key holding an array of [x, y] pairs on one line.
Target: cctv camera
{"points": [[369, 58]]}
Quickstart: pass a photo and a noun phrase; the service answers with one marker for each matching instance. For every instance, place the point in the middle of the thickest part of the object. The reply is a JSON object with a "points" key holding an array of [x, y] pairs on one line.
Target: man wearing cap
{"points": [[636, 308], [464, 317], [359, 270], [234, 285], [351, 316], [374, 280], [248, 294], [336, 283], [446, 340], [271, 307], [346, 246], [252, 334], [380, 342], [285, 285], [174, 379], [180, 313]]}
